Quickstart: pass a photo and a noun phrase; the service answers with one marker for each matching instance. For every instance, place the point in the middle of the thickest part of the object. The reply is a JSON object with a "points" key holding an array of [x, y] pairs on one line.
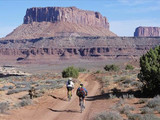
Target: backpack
{"points": [[81, 92], [69, 82]]}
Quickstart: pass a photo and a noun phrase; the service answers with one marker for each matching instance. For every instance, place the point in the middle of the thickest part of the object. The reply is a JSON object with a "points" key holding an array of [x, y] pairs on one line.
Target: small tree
{"points": [[129, 67], [150, 70], [111, 67], [70, 72]]}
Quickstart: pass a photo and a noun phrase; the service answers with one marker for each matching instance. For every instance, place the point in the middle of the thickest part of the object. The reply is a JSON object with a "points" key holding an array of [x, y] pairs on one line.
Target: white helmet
{"points": [[70, 79]]}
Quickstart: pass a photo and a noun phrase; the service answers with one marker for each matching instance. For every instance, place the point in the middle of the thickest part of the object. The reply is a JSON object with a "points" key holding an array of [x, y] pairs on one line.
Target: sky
{"points": [[124, 16]]}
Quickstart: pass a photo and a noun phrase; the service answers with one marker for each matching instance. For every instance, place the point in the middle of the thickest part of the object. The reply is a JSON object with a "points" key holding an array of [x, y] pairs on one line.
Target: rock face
{"points": [[68, 14], [59, 48], [60, 21], [147, 32]]}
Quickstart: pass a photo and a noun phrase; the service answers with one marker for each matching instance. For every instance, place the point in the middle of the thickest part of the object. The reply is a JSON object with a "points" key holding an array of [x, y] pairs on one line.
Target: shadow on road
{"points": [[8, 75], [72, 111], [98, 97], [58, 98], [118, 94]]}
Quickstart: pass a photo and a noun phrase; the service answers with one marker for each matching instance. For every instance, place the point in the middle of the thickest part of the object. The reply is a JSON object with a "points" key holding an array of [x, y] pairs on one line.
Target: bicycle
{"points": [[82, 107], [69, 95]]}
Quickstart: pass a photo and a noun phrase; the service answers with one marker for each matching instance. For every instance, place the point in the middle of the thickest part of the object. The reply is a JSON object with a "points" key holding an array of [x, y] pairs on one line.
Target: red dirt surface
{"points": [[55, 106]]}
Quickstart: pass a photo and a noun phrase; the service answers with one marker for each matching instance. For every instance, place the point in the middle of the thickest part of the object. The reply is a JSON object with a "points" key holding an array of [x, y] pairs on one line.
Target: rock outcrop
{"points": [[68, 14], [60, 21], [57, 48], [147, 32]]}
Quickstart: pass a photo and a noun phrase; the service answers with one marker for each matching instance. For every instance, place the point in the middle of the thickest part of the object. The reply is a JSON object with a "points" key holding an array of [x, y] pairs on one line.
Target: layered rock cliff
{"points": [[57, 48], [68, 14], [147, 32], [60, 21]]}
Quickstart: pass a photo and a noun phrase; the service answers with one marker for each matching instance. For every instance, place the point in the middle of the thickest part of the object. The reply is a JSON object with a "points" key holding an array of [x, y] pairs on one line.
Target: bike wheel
{"points": [[81, 105]]}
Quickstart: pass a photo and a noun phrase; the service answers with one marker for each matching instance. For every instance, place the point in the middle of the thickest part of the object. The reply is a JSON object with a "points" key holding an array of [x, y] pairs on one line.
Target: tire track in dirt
{"points": [[50, 108]]}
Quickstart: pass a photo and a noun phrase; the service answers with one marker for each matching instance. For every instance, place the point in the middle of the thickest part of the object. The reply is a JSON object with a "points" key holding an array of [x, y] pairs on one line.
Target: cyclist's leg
{"points": [[71, 91], [67, 91], [79, 101], [84, 101]]}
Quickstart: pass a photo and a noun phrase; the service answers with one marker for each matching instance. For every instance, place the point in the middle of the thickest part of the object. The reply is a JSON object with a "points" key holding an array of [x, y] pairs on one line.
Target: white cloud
{"points": [[127, 27], [133, 2]]}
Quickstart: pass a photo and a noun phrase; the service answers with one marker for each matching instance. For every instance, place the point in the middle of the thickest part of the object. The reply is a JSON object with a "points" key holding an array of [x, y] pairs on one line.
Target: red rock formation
{"points": [[147, 32], [68, 14], [55, 48], [59, 21]]}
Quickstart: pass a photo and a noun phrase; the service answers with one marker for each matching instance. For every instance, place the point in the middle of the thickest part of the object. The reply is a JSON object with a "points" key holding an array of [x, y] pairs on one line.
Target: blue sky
{"points": [[123, 15]]}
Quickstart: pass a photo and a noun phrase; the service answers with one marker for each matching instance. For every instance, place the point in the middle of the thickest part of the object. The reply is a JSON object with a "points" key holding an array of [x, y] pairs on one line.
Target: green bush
{"points": [[81, 69], [150, 71], [98, 71], [129, 67], [70, 72], [111, 67]]}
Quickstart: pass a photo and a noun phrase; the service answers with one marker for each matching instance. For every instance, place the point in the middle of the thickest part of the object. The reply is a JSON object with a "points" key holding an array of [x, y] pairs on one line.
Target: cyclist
{"points": [[82, 92], [70, 86]]}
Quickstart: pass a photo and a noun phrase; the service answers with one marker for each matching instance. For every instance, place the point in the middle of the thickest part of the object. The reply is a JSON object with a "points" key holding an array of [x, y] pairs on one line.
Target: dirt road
{"points": [[55, 106]]}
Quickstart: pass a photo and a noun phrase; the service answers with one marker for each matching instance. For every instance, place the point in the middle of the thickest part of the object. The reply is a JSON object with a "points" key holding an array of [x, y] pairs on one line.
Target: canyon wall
{"points": [[65, 14], [57, 48], [147, 32]]}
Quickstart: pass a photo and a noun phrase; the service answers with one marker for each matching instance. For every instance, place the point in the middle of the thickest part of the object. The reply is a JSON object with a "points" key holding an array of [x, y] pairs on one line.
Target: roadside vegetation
{"points": [[71, 72], [136, 90], [111, 67], [15, 85], [150, 71]]}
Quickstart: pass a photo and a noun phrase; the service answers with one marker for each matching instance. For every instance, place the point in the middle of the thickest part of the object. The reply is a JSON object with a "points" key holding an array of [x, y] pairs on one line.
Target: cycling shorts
{"points": [[69, 88]]}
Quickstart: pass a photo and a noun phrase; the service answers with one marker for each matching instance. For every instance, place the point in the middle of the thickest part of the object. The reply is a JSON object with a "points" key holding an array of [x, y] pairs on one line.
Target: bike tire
{"points": [[81, 105]]}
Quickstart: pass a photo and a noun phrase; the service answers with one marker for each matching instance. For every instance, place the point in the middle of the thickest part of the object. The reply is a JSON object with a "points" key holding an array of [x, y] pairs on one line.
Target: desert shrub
{"points": [[146, 110], [142, 101], [120, 103], [24, 102], [51, 82], [128, 96], [150, 71], [120, 79], [142, 117], [137, 84], [150, 117], [7, 87], [4, 106], [39, 93], [154, 102], [126, 109], [17, 90], [81, 69], [20, 83], [70, 72], [105, 81], [157, 108], [125, 85], [108, 116], [111, 96], [135, 117], [129, 67], [111, 67], [98, 71], [128, 81], [25, 97]]}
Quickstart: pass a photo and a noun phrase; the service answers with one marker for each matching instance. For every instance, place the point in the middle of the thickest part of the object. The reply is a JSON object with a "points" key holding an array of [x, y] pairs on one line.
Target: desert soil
{"points": [[55, 106]]}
